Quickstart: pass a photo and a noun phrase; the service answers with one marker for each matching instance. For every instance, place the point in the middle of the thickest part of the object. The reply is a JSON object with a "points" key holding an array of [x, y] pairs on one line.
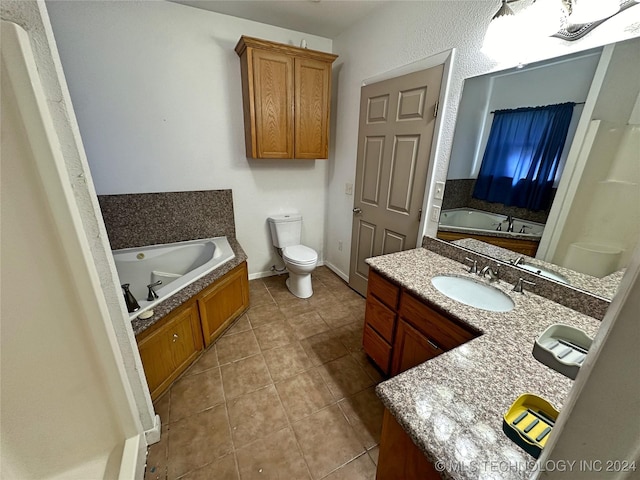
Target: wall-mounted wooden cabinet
{"points": [[286, 95], [169, 346]]}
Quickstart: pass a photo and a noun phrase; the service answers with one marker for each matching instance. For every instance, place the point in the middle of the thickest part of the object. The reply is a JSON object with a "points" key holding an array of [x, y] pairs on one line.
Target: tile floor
{"points": [[285, 393]]}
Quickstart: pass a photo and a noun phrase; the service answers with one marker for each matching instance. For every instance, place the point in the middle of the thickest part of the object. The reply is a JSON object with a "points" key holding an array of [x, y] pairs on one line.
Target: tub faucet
{"points": [[509, 219], [152, 294], [518, 261], [490, 272], [129, 299]]}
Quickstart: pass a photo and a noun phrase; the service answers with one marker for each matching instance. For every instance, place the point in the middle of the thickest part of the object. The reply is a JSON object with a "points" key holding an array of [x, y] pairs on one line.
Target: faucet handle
{"points": [[474, 267], [152, 294], [491, 273], [519, 286]]}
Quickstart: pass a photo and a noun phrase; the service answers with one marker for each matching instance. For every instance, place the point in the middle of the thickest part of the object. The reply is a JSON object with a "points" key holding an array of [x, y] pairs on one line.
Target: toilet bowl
{"points": [[298, 259]]}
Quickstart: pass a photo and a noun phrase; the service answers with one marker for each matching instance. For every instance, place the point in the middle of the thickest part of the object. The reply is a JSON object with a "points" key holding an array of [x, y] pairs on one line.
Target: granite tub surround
{"points": [[163, 308], [579, 300], [136, 219], [605, 287], [452, 405]]}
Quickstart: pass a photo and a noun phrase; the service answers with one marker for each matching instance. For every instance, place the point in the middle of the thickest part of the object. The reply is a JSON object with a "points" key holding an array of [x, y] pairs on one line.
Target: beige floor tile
{"points": [[364, 412], [240, 325], [275, 458], [197, 440], [235, 347], [368, 366], [304, 394], [292, 308], [274, 334], [283, 295], [260, 297], [350, 336], [373, 453], [263, 314], [255, 415], [344, 377], [224, 468], [345, 294], [335, 313], [275, 281], [362, 468], [287, 361], [195, 393], [157, 458], [324, 347], [327, 441], [207, 360], [244, 376], [161, 407], [307, 325]]}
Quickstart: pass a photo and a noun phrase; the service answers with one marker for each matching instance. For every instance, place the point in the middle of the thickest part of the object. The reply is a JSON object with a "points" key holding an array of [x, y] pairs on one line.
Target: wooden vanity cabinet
{"points": [[286, 94], [401, 331], [169, 347], [223, 302]]}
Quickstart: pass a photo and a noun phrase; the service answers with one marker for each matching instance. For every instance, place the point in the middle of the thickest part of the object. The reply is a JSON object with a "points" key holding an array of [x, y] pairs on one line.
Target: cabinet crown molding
{"points": [[251, 42]]}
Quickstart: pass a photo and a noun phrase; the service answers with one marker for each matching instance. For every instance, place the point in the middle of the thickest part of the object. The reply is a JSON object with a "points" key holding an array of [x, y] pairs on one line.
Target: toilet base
{"points": [[300, 285]]}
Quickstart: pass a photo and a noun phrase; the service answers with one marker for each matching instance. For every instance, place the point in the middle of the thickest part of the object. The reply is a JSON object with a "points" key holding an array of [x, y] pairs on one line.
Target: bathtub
{"points": [[175, 264], [469, 220]]}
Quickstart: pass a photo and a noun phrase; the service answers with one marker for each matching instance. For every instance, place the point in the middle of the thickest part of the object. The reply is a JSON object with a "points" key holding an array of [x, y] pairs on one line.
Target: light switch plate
{"points": [[435, 213], [439, 193], [348, 188]]}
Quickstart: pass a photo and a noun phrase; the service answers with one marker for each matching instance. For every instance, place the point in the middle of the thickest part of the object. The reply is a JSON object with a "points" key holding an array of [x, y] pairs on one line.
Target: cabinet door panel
{"points": [[223, 302], [411, 348], [273, 90], [382, 288], [380, 318], [375, 346], [312, 86]]}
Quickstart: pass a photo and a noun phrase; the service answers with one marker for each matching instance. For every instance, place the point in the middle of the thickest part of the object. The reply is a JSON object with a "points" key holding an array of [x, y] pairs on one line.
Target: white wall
{"points": [[404, 32], [67, 409], [156, 89]]}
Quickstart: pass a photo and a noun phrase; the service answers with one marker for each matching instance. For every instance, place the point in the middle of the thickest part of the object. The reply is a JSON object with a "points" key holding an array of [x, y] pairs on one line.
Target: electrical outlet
{"points": [[348, 188], [435, 213], [439, 191], [339, 245]]}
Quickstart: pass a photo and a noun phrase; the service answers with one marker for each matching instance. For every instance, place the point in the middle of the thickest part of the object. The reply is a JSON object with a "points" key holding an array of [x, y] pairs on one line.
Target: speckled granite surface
{"points": [[139, 219], [604, 287], [452, 405], [189, 291], [579, 300]]}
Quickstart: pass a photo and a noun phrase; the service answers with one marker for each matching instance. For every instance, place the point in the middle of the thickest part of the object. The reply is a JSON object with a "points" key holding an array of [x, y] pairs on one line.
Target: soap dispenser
{"points": [[130, 300]]}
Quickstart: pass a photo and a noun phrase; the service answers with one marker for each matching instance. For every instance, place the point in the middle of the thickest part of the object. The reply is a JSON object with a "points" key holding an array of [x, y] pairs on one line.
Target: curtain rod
{"points": [[576, 103]]}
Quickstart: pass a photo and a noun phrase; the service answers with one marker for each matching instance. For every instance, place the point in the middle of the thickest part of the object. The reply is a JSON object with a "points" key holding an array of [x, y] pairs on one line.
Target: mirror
{"points": [[587, 232]]}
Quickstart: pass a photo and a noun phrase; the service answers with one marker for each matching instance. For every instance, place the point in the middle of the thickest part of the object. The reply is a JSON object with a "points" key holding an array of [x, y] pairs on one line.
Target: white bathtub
{"points": [[175, 264], [469, 220]]}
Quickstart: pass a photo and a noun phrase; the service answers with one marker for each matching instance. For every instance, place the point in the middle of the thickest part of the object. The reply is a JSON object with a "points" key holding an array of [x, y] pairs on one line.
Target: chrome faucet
{"points": [[509, 219], [152, 294], [474, 267], [490, 272], [518, 261]]}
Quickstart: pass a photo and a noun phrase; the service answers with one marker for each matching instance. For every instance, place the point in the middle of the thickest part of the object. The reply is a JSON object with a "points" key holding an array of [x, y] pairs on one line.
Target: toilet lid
{"points": [[300, 254]]}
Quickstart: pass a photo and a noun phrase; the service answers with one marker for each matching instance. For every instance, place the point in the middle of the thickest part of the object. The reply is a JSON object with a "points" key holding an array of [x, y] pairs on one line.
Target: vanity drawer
{"points": [[380, 318], [386, 291], [443, 331], [376, 348]]}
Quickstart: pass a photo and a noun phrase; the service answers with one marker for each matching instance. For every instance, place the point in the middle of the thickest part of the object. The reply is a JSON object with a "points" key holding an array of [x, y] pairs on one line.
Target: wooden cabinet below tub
{"points": [[402, 331], [169, 347], [173, 343]]}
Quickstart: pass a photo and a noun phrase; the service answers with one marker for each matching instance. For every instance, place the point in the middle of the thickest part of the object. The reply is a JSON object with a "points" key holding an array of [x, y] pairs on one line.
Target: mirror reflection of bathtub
{"points": [[458, 223]]}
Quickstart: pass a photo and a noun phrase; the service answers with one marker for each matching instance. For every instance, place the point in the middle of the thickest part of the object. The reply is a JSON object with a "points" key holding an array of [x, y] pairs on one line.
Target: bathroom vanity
{"points": [[447, 412]]}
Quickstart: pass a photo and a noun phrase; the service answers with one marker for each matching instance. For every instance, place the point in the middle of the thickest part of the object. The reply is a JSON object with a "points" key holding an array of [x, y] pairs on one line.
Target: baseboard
{"points": [[153, 434], [337, 271], [269, 273]]}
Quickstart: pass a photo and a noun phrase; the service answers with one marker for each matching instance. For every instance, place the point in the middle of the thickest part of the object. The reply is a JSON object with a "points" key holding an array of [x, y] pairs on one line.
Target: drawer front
{"points": [[377, 348], [380, 318], [383, 289], [439, 328]]}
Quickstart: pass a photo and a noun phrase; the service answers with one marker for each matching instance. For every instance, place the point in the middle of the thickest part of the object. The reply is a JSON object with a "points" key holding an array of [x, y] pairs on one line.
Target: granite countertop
{"points": [[604, 287], [174, 301], [490, 233], [452, 405]]}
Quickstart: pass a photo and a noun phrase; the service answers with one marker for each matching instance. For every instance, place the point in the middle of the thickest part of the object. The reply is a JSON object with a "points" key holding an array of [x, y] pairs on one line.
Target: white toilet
{"points": [[299, 260]]}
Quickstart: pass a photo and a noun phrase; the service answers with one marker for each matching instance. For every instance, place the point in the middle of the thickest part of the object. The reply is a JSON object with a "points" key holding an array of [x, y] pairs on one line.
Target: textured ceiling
{"points": [[325, 18]]}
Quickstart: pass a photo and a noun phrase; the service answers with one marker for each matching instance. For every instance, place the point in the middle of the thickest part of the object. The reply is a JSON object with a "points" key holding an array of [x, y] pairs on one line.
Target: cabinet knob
{"points": [[175, 337]]}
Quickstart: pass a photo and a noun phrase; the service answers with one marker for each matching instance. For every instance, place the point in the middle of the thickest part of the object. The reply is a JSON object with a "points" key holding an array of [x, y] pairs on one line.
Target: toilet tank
{"points": [[285, 229]]}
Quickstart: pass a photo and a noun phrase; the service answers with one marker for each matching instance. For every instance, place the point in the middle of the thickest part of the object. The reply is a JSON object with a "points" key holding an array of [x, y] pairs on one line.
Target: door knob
{"points": [[357, 210]]}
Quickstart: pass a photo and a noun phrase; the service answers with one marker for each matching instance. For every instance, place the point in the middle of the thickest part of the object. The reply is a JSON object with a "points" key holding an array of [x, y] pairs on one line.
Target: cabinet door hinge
{"points": [[435, 109]]}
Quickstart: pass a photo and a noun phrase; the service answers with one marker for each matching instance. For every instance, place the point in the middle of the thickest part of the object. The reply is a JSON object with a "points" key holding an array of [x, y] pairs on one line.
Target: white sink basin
{"points": [[544, 272], [474, 293]]}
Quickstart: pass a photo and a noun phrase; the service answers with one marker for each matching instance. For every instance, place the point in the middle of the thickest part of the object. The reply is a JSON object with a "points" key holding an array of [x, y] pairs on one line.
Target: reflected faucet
{"points": [[509, 219], [518, 261]]}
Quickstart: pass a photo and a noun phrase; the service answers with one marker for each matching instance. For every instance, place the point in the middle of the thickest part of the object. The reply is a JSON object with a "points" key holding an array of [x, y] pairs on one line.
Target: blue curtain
{"points": [[522, 155]]}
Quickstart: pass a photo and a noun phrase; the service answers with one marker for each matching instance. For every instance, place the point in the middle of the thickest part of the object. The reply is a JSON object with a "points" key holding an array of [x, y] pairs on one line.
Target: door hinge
{"points": [[419, 215], [435, 109]]}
